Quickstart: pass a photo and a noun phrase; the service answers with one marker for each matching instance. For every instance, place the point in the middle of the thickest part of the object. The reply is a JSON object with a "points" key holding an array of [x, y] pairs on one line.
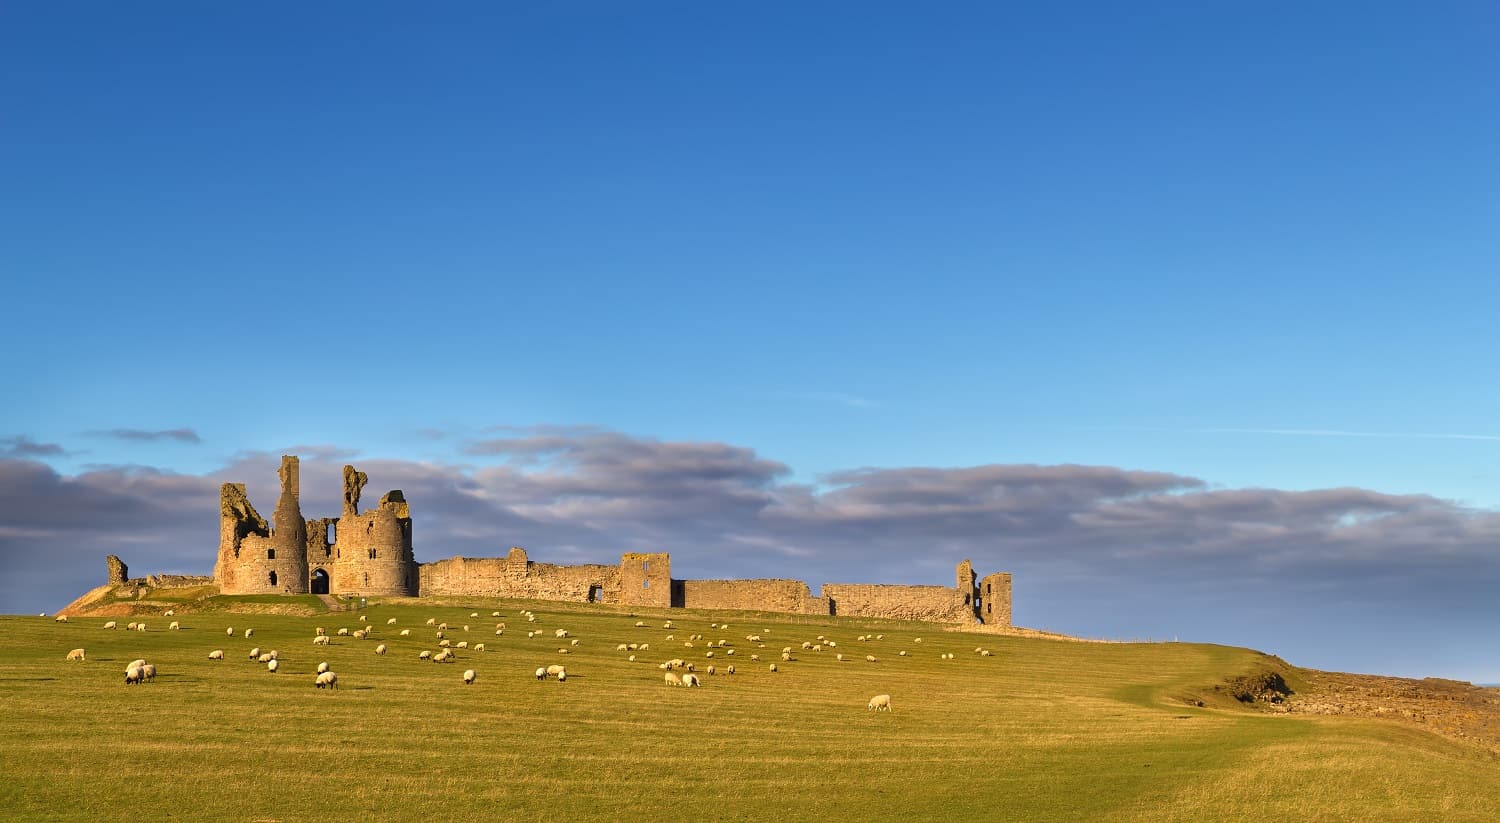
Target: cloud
{"points": [[145, 436], [1348, 433], [1086, 536], [22, 446]]}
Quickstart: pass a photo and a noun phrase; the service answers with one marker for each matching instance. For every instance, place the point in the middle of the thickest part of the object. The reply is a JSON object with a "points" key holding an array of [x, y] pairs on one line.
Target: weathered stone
{"points": [[118, 571]]}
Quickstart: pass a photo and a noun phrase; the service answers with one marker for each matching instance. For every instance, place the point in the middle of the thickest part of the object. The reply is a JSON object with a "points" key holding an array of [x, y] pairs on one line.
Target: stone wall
{"points": [[118, 571], [752, 595], [646, 579], [372, 550], [515, 576], [935, 603]]}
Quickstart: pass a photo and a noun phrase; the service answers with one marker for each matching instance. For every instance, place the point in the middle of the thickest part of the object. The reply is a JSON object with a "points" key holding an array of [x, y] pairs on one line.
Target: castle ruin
{"points": [[370, 553]]}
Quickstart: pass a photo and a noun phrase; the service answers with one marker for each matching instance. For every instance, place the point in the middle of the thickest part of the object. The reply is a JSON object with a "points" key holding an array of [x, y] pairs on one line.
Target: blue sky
{"points": [[1251, 247]]}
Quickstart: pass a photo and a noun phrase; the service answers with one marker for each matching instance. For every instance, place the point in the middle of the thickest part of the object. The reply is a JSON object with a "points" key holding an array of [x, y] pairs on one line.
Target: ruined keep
{"points": [[363, 553], [370, 553]]}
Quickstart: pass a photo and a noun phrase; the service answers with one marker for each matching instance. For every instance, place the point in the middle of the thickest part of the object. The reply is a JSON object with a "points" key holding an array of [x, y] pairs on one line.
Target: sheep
{"points": [[134, 675], [573, 642], [806, 646], [109, 625], [130, 627], [442, 627], [478, 647], [561, 676], [174, 626], [360, 634], [840, 657], [322, 640], [754, 658], [169, 613], [499, 625], [690, 680], [541, 673], [391, 622], [380, 649], [249, 632], [879, 637], [255, 653], [323, 667], [711, 671], [671, 637], [563, 650], [432, 621], [729, 652], [343, 632], [709, 654], [445, 643], [136, 663], [327, 680], [265, 658], [622, 647], [861, 638], [645, 647], [530, 618], [216, 654], [903, 652], [444, 656], [561, 633], [634, 647], [469, 676], [985, 653], [729, 669], [149, 670], [274, 654], [62, 618], [978, 649], [667, 625], [786, 657], [76, 654], [880, 702], [140, 627], [917, 640], [364, 618], [229, 631], [631, 658], [499, 632], [473, 614], [640, 624], [773, 668], [406, 632], [818, 647], [692, 667], [466, 627], [870, 658], [320, 631], [556, 670], [494, 614], [463, 644], [425, 655], [672, 679]]}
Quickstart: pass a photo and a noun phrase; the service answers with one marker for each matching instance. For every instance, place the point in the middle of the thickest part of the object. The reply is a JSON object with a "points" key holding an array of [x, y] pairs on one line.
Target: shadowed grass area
{"points": [[1042, 730]]}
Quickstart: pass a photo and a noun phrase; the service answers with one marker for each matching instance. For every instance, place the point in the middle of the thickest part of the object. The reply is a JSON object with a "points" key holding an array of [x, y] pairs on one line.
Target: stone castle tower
{"points": [[366, 553]]}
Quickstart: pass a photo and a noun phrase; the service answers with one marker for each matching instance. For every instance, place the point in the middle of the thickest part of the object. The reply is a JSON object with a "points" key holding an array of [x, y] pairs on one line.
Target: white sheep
{"points": [[110, 625], [174, 626], [327, 680], [265, 658], [563, 650], [786, 657], [216, 654], [76, 654], [573, 642], [672, 679], [556, 670], [469, 677], [462, 644], [134, 675], [903, 652], [323, 667], [729, 669], [425, 655], [622, 647], [690, 680], [870, 658], [249, 632], [406, 632], [478, 647], [473, 614], [879, 637], [773, 668], [561, 633], [62, 618], [360, 634], [466, 628], [880, 702], [985, 653], [631, 658], [432, 621], [494, 614], [541, 673], [149, 670], [840, 657], [640, 624], [445, 643], [170, 613], [321, 640], [380, 649], [391, 622], [255, 653], [229, 631], [140, 627], [561, 676], [130, 627], [136, 663], [711, 671], [917, 640], [320, 631], [343, 632], [442, 627]]}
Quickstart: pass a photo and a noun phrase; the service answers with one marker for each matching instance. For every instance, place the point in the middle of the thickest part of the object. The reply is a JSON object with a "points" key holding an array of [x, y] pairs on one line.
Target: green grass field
{"points": [[1042, 730]]}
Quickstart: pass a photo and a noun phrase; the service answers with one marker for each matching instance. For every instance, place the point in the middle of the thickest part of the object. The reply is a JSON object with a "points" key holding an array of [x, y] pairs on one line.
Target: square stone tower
{"points": [[646, 579]]}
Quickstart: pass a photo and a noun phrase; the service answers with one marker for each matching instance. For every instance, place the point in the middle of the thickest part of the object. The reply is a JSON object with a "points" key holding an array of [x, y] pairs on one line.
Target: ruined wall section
{"points": [[372, 551], [516, 576], [243, 536], [938, 604], [968, 585], [118, 571], [646, 579], [791, 596], [994, 599]]}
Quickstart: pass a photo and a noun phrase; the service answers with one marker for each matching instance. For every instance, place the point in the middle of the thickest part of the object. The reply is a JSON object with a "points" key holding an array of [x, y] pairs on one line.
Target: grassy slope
{"points": [[1043, 730]]}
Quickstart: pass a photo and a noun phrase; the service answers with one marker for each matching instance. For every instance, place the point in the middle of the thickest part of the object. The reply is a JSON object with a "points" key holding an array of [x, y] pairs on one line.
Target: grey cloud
{"points": [[22, 446], [150, 436]]}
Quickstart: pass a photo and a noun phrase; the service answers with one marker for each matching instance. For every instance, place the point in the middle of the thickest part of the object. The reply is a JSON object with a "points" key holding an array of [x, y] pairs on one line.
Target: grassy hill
{"points": [[1041, 730]]}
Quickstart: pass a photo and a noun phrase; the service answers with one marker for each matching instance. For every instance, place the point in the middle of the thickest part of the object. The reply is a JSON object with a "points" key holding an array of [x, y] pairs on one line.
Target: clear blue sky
{"points": [[1250, 245]]}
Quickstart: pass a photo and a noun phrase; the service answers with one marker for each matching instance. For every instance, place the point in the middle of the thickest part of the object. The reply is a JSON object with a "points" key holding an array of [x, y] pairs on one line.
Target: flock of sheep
{"points": [[677, 671]]}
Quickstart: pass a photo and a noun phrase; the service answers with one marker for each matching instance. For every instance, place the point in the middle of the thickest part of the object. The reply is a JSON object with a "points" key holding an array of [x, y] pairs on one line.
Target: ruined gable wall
{"points": [[518, 577], [935, 603], [790, 596]]}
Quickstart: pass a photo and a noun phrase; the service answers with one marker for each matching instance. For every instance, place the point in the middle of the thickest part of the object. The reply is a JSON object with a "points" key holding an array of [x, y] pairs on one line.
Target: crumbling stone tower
{"points": [[646, 579], [256, 557], [372, 550]]}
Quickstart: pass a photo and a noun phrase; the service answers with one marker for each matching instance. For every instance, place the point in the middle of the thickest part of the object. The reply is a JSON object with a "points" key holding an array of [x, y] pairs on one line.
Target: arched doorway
{"points": [[319, 581]]}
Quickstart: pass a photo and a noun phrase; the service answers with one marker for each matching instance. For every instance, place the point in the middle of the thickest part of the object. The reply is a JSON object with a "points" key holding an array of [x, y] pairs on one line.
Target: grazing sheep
{"points": [[478, 647], [645, 647], [561, 676], [216, 654], [229, 631], [473, 614], [360, 634], [444, 656], [786, 657], [425, 655], [985, 653], [840, 657], [711, 671], [62, 618], [640, 624], [321, 640], [130, 627], [327, 680], [573, 642], [729, 652], [462, 644], [265, 658], [343, 632], [466, 628], [380, 649], [445, 643], [406, 632], [870, 658], [806, 646], [499, 625], [708, 654], [442, 627], [631, 658], [754, 658], [563, 650], [149, 670], [391, 622], [622, 647], [773, 668], [879, 637], [134, 675], [432, 621], [170, 613], [903, 652], [76, 654], [140, 627], [671, 637], [667, 625], [818, 647], [469, 677], [136, 663], [109, 625], [729, 669], [174, 626], [880, 702], [494, 614], [691, 680], [249, 632], [561, 633], [634, 647], [255, 653], [499, 632], [672, 679], [541, 673], [320, 631], [323, 667], [556, 670]]}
